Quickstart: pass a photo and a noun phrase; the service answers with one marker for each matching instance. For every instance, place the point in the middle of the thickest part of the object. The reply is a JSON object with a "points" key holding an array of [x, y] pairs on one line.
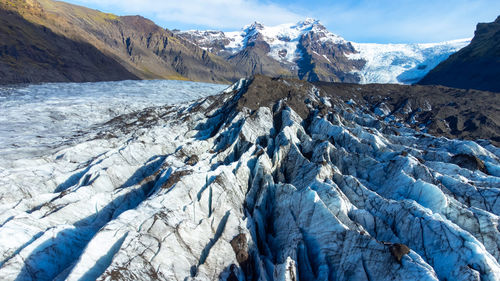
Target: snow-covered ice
{"points": [[402, 63], [40, 116]]}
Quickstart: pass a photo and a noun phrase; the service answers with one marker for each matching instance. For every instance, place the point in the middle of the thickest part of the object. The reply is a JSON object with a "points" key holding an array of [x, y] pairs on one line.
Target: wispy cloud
{"points": [[221, 14], [356, 20], [404, 20]]}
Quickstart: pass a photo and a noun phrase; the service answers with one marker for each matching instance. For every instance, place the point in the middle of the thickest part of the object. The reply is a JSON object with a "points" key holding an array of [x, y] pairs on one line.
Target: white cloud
{"points": [[379, 21], [406, 20], [222, 14]]}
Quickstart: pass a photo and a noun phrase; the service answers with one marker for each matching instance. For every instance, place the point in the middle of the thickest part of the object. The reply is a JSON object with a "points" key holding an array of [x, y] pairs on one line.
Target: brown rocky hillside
{"points": [[476, 66], [33, 53], [109, 47]]}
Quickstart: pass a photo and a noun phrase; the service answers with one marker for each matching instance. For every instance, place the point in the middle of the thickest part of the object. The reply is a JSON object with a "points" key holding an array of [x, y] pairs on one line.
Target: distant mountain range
{"points": [[45, 40], [309, 51]]}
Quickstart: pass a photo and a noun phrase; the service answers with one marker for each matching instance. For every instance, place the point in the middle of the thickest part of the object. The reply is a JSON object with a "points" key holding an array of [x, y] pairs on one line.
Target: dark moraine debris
{"points": [[240, 248], [442, 111], [398, 251], [175, 177], [470, 162], [192, 160], [265, 91], [239, 244]]}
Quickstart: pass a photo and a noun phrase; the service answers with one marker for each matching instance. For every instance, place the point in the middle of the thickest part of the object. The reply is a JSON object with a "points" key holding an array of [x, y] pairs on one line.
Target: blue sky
{"points": [[378, 21]]}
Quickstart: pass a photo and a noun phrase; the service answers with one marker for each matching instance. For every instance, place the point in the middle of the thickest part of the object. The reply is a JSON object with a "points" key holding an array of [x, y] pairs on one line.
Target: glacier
{"points": [[272, 179], [402, 63], [36, 117]]}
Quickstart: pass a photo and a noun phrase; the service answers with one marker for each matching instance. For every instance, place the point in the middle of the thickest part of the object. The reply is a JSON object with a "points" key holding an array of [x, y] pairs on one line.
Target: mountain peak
{"points": [[301, 25], [254, 26], [309, 21]]}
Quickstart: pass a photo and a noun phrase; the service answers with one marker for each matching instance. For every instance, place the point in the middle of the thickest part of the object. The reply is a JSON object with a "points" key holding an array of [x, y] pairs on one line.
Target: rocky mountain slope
{"points": [[475, 67], [273, 179], [46, 40], [308, 51], [128, 47], [33, 53]]}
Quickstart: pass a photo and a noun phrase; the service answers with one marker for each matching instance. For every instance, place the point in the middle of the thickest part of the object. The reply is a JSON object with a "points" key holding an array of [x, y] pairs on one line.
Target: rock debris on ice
{"points": [[226, 189]]}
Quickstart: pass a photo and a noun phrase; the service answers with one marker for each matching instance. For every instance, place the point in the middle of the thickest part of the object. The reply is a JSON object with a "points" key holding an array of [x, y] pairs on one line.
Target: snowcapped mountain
{"points": [[309, 51], [283, 40], [272, 179], [306, 50]]}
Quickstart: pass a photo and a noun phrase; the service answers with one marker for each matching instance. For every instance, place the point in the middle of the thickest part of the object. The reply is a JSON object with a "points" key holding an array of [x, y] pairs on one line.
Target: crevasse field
{"points": [[191, 191], [37, 117]]}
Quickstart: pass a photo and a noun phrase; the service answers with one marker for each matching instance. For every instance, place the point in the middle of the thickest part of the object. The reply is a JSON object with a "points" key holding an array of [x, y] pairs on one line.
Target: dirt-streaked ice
{"points": [[39, 116], [214, 190]]}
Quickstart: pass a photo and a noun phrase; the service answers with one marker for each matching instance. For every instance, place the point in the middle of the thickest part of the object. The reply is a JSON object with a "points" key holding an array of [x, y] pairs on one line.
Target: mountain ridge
{"points": [[308, 50], [141, 49], [140, 46], [476, 66], [33, 53]]}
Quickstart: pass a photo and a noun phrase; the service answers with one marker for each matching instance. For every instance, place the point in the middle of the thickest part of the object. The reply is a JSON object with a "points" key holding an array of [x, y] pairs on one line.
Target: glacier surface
{"points": [[40, 116], [222, 188]]}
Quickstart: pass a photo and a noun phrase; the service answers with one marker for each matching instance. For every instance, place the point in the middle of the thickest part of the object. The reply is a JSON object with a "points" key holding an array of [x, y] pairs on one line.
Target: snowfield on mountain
{"points": [[307, 46], [272, 179]]}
